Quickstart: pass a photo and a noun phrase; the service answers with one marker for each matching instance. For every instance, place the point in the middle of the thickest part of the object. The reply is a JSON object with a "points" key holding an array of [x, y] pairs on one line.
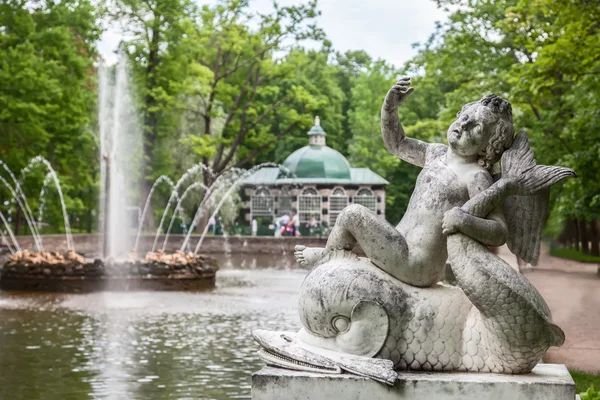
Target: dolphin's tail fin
{"points": [[558, 336]]}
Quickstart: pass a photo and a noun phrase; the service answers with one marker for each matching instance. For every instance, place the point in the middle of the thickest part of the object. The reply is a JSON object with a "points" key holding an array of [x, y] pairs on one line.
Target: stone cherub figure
{"points": [[415, 250], [371, 316]]}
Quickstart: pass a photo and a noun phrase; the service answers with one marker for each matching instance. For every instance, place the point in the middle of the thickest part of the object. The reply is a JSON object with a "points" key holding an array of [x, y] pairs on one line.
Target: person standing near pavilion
{"points": [[212, 225], [254, 227], [294, 225]]}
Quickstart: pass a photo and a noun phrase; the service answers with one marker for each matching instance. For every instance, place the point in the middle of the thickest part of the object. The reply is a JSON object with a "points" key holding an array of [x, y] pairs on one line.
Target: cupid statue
{"points": [[371, 316]]}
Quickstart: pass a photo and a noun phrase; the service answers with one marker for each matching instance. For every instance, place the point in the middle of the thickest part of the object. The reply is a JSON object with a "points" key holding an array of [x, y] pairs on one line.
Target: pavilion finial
{"points": [[317, 121]]}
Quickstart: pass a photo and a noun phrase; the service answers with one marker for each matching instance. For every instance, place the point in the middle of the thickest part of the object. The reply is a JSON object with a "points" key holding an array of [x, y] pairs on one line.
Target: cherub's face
{"points": [[470, 133]]}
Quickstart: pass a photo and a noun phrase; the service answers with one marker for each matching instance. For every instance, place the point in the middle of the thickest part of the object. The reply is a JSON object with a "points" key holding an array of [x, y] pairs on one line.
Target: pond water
{"points": [[147, 345]]}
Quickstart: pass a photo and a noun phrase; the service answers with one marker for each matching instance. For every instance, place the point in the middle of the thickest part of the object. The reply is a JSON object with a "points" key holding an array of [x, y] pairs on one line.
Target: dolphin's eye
{"points": [[286, 338], [340, 323]]}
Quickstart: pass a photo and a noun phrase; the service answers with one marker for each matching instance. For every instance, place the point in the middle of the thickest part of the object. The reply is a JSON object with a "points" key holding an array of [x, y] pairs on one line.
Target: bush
{"points": [[572, 254]]}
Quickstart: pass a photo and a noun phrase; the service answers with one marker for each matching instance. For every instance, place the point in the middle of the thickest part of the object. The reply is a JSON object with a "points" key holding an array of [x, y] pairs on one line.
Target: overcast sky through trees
{"points": [[383, 28]]}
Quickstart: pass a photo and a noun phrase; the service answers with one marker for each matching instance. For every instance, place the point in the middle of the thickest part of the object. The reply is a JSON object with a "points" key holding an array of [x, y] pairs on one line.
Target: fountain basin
{"points": [[82, 275]]}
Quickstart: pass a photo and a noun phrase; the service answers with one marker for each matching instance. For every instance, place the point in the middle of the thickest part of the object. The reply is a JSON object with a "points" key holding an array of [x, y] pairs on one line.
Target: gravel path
{"points": [[572, 291]]}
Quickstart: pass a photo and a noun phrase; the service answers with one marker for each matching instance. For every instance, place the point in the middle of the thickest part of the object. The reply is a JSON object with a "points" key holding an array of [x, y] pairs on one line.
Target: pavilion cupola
{"points": [[316, 135]]}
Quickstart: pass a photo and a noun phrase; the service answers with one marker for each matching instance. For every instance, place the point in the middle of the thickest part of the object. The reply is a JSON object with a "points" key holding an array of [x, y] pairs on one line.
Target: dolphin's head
{"points": [[342, 305], [342, 309]]}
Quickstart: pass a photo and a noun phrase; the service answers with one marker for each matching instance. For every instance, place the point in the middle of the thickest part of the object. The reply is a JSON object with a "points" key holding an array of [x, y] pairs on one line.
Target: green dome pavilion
{"points": [[317, 183], [318, 160]]}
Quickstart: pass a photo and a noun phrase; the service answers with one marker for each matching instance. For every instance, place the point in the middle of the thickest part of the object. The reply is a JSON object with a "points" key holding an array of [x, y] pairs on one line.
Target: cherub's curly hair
{"points": [[502, 138]]}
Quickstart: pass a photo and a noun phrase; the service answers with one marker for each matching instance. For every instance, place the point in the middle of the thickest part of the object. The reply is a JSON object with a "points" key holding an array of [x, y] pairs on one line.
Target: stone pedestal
{"points": [[545, 382]]}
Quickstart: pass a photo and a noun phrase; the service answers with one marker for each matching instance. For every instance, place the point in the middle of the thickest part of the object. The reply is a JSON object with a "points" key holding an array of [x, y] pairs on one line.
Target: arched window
{"points": [[337, 202], [309, 205], [262, 203], [366, 197], [309, 191]]}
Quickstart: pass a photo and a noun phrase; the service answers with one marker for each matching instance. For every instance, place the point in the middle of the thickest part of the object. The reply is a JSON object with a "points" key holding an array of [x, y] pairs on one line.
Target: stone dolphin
{"points": [[349, 306]]}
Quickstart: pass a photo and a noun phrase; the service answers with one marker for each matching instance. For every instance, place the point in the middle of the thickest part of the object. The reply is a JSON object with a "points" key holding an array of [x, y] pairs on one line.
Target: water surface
{"points": [[146, 345]]}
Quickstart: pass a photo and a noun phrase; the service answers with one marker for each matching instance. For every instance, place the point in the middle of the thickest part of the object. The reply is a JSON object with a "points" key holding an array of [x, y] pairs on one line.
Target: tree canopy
{"points": [[225, 86]]}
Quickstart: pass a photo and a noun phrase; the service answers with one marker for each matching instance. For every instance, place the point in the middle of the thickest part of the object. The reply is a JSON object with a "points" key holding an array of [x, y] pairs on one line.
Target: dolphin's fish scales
{"points": [[432, 329]]}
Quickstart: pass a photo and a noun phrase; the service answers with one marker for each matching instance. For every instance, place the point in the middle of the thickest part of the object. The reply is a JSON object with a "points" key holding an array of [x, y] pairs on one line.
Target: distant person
{"points": [[296, 221], [221, 225], [293, 225], [277, 227], [254, 227], [283, 221], [212, 225], [312, 226]]}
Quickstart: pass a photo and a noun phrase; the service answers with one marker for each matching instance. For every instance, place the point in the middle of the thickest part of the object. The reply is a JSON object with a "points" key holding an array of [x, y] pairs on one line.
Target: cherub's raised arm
{"points": [[405, 148]]}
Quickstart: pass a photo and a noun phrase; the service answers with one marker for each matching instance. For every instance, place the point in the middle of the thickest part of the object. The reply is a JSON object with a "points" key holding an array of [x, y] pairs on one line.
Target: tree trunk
{"points": [[594, 238], [202, 222], [566, 236], [90, 220], [150, 122], [583, 236], [577, 234]]}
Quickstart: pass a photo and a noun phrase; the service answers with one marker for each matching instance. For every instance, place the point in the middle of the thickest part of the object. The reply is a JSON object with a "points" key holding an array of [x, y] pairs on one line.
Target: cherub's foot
{"points": [[308, 256]]}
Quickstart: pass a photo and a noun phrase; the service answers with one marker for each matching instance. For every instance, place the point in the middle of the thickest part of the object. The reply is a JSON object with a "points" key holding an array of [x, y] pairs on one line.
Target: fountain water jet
{"points": [[120, 146], [5, 242], [208, 197], [162, 178], [15, 195], [27, 210], [42, 197], [41, 160], [179, 209], [10, 233], [175, 194]]}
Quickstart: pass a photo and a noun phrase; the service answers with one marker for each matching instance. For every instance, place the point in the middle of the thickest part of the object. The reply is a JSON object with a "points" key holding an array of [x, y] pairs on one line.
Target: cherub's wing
{"points": [[525, 213], [525, 216]]}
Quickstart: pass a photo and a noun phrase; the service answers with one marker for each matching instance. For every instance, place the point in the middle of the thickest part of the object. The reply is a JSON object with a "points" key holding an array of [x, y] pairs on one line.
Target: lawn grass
{"points": [[572, 254], [584, 380]]}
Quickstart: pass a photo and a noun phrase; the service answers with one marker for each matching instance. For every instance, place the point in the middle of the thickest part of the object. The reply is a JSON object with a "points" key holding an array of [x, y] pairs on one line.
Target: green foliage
{"points": [[316, 92], [162, 46], [590, 394], [47, 99], [584, 382], [572, 254]]}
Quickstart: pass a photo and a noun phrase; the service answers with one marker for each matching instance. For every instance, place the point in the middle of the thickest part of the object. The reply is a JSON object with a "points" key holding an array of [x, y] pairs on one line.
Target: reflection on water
{"points": [[146, 345]]}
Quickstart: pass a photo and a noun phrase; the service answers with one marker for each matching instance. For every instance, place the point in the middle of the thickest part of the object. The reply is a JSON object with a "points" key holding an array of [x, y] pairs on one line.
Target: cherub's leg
{"points": [[380, 241]]}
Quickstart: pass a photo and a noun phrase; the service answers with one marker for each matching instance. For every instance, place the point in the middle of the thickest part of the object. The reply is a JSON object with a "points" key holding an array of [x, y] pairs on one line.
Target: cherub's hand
{"points": [[453, 219], [398, 93]]}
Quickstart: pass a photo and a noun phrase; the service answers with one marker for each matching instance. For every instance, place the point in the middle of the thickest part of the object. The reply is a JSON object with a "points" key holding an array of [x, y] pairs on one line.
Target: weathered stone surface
{"points": [[545, 382]]}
